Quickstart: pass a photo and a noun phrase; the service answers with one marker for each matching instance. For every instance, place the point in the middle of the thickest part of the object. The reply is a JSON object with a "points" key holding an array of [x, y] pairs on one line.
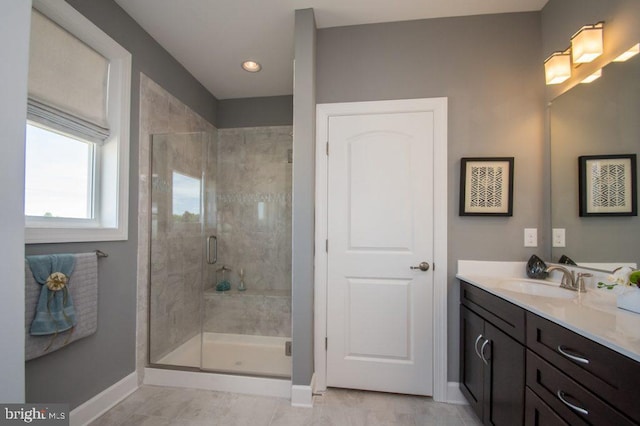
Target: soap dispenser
{"points": [[223, 284], [241, 286]]}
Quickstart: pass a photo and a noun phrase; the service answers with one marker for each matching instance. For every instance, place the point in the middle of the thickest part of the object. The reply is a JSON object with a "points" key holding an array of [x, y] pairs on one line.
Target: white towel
{"points": [[83, 286]]}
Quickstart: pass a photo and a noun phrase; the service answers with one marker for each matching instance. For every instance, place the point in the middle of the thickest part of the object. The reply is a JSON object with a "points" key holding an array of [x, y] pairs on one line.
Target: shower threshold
{"points": [[233, 353]]}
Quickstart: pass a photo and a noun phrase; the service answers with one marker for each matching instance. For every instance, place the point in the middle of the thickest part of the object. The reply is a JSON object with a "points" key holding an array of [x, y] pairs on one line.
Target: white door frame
{"points": [[439, 108]]}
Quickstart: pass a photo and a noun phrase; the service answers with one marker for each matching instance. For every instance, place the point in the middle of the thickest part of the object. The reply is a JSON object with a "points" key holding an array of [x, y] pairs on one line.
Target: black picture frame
{"points": [[486, 186], [607, 185]]}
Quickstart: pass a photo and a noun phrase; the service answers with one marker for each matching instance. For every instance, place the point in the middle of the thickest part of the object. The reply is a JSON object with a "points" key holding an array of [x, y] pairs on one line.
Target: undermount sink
{"points": [[536, 288]]}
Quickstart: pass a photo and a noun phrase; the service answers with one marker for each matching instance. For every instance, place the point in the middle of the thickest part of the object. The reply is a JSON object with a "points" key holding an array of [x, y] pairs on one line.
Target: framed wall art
{"points": [[607, 185], [486, 186]]}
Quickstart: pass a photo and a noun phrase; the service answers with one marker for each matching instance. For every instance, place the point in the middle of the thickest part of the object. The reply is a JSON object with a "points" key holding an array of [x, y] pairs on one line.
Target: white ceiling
{"points": [[211, 38]]}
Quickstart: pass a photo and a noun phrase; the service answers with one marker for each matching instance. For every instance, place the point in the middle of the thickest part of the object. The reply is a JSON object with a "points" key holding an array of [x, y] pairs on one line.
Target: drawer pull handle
{"points": [[475, 346], [482, 351], [572, 357], [570, 405]]}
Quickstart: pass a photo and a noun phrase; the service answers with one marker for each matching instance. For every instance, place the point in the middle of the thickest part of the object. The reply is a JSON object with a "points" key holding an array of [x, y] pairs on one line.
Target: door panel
{"points": [[380, 222], [372, 305]]}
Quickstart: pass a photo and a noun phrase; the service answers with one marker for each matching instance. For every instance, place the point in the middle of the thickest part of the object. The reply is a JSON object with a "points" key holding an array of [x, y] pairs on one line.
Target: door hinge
{"points": [[326, 246], [326, 343], [327, 148], [287, 348], [433, 266]]}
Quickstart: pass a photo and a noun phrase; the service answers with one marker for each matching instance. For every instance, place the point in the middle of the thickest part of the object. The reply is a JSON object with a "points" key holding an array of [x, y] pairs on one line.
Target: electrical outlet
{"points": [[558, 237], [530, 237]]}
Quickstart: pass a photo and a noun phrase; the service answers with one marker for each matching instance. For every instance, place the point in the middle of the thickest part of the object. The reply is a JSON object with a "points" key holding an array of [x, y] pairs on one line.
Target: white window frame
{"points": [[112, 166]]}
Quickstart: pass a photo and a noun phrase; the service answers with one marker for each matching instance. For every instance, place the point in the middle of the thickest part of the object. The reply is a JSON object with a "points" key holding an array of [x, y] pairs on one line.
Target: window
{"points": [[59, 175], [77, 144]]}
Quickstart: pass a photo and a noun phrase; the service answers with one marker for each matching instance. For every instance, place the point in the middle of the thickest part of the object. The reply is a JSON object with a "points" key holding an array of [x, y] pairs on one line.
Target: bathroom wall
{"points": [[99, 361], [176, 251], [255, 112], [304, 125], [14, 31], [489, 68]]}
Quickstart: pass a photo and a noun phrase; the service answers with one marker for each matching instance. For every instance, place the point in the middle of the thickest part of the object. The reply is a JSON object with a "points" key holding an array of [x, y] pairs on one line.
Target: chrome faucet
{"points": [[568, 278]]}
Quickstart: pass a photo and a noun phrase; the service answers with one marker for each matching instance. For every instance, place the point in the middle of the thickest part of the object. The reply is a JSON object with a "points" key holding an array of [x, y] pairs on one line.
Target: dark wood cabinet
{"points": [[519, 368], [492, 362], [581, 380]]}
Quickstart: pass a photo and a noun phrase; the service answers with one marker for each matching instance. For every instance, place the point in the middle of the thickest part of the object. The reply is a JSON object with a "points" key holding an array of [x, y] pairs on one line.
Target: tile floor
{"points": [[160, 406]]}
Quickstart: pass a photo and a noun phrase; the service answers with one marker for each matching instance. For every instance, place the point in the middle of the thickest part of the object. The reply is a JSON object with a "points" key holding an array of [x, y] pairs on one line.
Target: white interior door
{"points": [[379, 225]]}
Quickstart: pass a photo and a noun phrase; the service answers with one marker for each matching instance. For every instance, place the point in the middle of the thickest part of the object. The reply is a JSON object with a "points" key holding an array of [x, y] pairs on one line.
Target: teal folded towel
{"points": [[54, 310]]}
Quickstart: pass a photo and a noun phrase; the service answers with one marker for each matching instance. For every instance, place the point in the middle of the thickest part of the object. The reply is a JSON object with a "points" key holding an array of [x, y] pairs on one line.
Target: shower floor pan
{"points": [[234, 353]]}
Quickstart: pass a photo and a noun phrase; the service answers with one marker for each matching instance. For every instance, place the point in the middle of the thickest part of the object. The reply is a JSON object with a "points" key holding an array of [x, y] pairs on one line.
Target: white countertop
{"points": [[593, 314]]}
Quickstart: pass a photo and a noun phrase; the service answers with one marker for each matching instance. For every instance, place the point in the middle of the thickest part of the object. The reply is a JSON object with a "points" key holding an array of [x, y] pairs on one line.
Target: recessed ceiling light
{"points": [[251, 66]]}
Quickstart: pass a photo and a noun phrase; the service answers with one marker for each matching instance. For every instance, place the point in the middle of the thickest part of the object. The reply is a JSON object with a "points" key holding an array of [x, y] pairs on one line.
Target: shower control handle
{"points": [[215, 249], [423, 266]]}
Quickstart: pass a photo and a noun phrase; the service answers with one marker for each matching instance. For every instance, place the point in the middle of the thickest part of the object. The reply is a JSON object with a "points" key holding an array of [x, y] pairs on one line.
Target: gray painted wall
{"points": [[14, 31], [255, 112], [489, 67], [85, 368], [304, 129]]}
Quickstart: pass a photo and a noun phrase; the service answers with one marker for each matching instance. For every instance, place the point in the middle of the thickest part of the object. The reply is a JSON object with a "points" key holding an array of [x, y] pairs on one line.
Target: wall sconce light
{"points": [[586, 44], [557, 67], [628, 54], [596, 75]]}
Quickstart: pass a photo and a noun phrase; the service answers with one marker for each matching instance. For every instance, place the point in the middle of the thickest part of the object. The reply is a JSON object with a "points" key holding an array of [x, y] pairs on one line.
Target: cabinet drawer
{"points": [[506, 316], [537, 413], [610, 375], [552, 385]]}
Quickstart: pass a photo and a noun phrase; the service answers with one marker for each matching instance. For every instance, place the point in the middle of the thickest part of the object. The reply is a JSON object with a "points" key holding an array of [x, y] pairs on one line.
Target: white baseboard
{"points": [[279, 388], [302, 395], [454, 394], [105, 400]]}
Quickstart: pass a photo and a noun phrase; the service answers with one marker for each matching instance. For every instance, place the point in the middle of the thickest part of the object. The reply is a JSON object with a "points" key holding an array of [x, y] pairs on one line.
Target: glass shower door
{"points": [[182, 216]]}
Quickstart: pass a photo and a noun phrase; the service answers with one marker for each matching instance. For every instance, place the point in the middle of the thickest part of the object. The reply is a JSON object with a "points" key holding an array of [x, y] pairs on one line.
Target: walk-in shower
{"points": [[219, 200]]}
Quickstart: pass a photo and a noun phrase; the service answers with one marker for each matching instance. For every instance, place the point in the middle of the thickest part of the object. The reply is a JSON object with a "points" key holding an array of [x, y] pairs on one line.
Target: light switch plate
{"points": [[558, 237], [530, 237]]}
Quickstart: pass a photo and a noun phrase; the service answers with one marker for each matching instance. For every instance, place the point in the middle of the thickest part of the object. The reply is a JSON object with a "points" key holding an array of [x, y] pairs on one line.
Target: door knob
{"points": [[423, 266]]}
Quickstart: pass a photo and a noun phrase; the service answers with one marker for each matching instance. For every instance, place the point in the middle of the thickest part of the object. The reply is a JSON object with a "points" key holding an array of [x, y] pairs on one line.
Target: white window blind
{"points": [[67, 82]]}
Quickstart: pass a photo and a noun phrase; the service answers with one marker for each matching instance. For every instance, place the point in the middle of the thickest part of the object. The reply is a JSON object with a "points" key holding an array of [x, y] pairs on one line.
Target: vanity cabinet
{"points": [[519, 368], [492, 359], [582, 381]]}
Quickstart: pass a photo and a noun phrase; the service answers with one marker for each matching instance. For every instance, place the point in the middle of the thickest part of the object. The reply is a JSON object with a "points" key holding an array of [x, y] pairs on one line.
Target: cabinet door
{"points": [[504, 386], [537, 413], [471, 366]]}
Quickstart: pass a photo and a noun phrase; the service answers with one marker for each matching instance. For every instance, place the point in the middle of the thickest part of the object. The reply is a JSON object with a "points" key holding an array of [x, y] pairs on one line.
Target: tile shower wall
{"points": [[254, 205], [160, 112], [254, 232]]}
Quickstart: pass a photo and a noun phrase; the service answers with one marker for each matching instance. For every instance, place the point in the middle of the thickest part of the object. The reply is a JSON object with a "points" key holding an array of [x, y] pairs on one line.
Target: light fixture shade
{"points": [[596, 75], [557, 67], [633, 51], [586, 44]]}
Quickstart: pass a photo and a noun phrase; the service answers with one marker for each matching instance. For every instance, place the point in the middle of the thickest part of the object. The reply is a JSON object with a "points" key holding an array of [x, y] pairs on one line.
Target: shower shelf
{"points": [[212, 293]]}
